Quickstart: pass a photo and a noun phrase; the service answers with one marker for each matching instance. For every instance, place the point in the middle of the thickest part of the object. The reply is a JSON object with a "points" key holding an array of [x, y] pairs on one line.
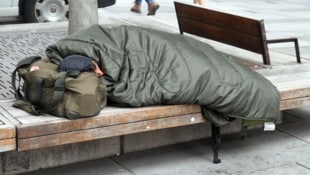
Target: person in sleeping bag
{"points": [[144, 66]]}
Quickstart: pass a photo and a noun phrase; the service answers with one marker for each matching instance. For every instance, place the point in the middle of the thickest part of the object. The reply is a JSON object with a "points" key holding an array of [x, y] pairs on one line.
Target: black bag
{"points": [[71, 94]]}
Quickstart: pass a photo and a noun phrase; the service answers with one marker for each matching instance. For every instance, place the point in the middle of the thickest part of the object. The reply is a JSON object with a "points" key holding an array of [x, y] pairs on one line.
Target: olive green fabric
{"points": [[149, 67], [65, 94]]}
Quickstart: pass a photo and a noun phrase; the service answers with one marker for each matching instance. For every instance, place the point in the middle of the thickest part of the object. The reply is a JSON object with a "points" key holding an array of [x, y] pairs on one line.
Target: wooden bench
{"points": [[34, 132], [7, 133], [238, 31]]}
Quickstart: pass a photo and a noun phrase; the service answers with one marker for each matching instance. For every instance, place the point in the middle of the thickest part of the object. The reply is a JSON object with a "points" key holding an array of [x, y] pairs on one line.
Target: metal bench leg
{"points": [[216, 143], [243, 132]]}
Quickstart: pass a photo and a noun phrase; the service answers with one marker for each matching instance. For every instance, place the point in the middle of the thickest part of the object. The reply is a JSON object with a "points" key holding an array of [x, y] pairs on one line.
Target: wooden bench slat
{"points": [[7, 129], [286, 74], [280, 69], [221, 34], [293, 81], [295, 93], [289, 75], [216, 18], [108, 131], [7, 133], [238, 31], [7, 145], [294, 103], [291, 85], [107, 117]]}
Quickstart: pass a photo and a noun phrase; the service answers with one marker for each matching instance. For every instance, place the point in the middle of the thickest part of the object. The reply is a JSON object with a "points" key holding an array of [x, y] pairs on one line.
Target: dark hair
{"points": [[76, 62]]}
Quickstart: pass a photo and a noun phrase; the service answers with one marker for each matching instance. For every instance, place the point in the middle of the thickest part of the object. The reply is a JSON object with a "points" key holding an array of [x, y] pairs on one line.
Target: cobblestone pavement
{"points": [[15, 46]]}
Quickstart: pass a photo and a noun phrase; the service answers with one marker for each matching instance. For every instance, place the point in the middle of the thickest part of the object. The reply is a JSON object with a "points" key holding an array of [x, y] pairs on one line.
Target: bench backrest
{"points": [[241, 32]]}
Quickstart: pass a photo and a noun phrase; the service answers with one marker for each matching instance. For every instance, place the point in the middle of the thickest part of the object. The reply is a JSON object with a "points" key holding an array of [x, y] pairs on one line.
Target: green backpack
{"points": [[70, 94]]}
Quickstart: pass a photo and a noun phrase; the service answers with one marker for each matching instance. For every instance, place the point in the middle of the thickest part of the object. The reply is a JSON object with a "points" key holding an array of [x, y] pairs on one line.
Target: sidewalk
{"points": [[284, 151]]}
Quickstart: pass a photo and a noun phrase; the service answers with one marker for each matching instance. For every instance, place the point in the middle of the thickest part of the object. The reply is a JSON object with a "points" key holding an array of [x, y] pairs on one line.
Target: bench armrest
{"points": [[282, 40]]}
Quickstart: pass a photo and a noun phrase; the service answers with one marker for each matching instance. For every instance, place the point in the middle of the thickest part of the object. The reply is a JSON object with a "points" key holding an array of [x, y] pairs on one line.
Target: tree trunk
{"points": [[82, 14]]}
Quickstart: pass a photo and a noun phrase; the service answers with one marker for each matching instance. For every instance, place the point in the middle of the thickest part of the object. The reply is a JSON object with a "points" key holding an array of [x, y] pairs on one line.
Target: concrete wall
{"points": [[17, 162]]}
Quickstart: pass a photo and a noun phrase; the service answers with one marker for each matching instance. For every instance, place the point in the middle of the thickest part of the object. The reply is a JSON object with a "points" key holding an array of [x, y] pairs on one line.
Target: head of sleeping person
{"points": [[78, 63]]}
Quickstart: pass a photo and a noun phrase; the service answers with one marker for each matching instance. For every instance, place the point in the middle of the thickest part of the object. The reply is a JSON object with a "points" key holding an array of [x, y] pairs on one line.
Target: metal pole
{"points": [[82, 14]]}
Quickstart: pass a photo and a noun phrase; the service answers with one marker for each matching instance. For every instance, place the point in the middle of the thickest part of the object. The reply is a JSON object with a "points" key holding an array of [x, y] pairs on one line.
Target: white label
{"points": [[269, 126]]}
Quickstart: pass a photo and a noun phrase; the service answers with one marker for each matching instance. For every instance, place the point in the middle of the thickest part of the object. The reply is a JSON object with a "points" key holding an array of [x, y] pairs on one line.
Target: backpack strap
{"points": [[21, 64], [26, 106], [37, 92], [59, 88]]}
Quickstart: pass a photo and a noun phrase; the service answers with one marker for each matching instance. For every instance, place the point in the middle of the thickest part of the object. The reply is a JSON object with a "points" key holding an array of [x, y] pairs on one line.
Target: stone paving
{"points": [[13, 47]]}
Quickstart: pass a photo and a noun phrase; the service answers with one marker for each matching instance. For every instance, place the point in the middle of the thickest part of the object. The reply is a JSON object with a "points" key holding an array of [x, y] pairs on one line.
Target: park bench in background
{"points": [[35, 132], [238, 31]]}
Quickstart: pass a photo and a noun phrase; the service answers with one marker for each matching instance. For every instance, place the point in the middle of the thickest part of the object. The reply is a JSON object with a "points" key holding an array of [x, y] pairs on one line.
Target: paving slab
{"points": [[259, 152], [298, 129], [97, 167], [294, 168]]}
